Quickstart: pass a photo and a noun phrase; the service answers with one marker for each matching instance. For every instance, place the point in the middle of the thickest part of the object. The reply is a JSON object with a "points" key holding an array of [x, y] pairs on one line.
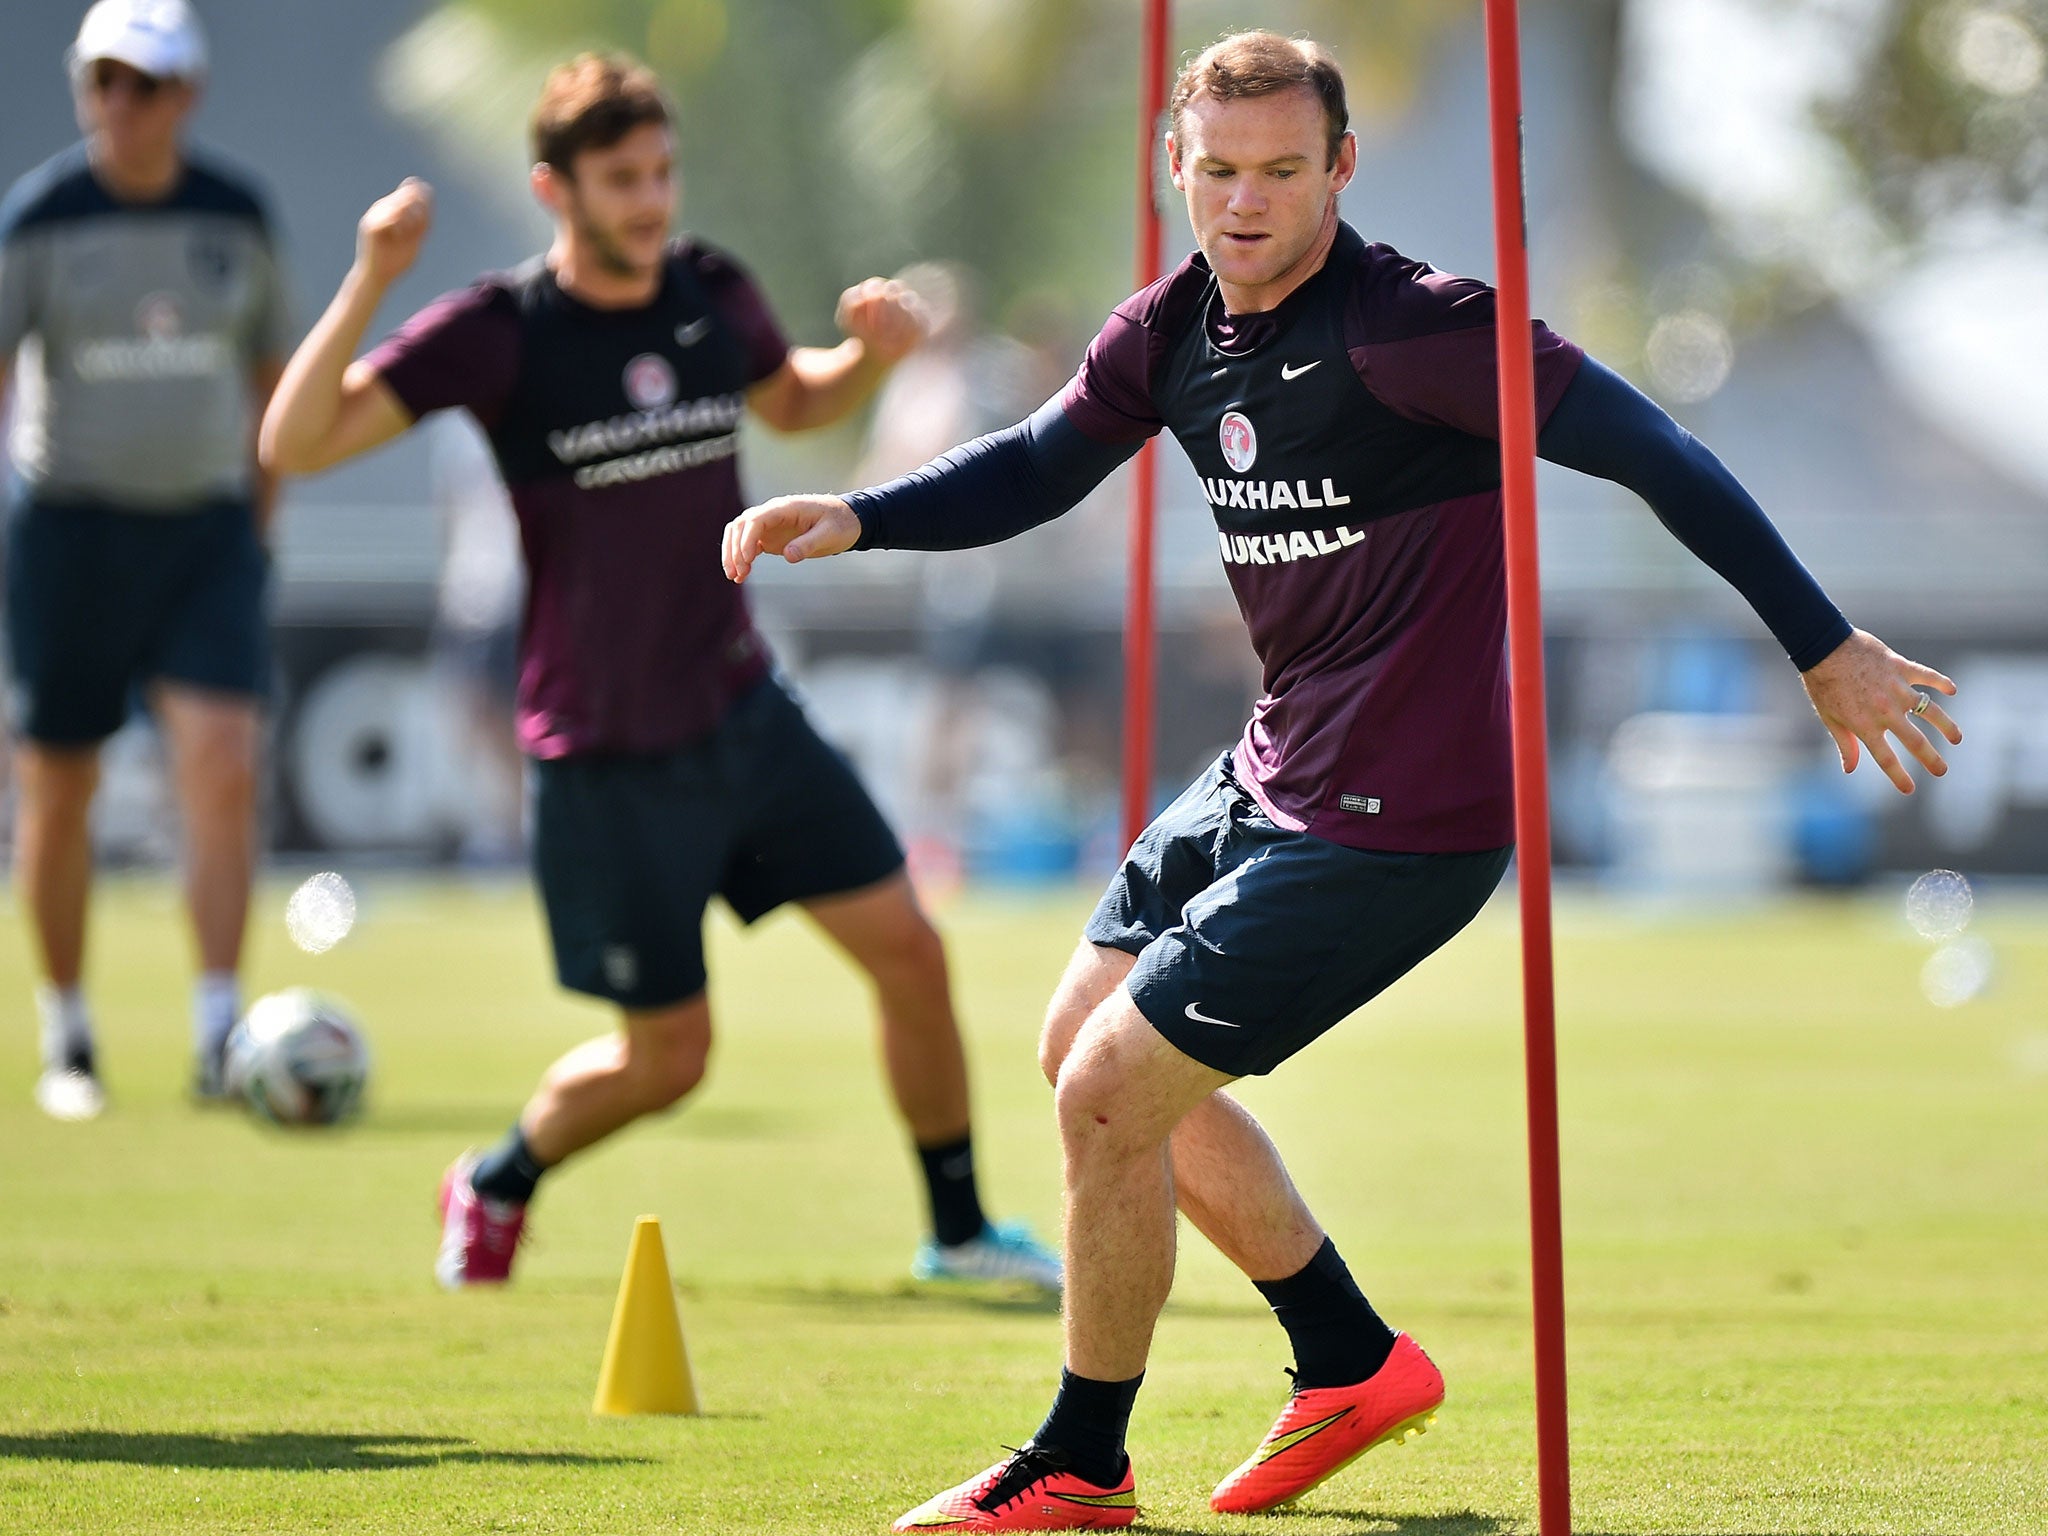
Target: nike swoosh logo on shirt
{"points": [[1295, 373], [689, 335], [1194, 1011]]}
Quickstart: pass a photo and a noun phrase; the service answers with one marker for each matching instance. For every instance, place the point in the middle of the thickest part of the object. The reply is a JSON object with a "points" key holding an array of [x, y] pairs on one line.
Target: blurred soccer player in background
{"points": [[143, 318], [671, 765], [1338, 401]]}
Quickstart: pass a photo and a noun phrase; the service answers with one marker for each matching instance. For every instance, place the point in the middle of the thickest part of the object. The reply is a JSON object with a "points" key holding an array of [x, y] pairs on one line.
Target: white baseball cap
{"points": [[158, 37]]}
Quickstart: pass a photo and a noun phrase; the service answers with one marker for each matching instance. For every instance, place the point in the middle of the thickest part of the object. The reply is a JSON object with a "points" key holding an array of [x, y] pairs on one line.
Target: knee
{"points": [[1056, 1039], [1092, 978], [911, 953], [669, 1066], [672, 1075], [57, 786], [1086, 1093], [220, 773]]}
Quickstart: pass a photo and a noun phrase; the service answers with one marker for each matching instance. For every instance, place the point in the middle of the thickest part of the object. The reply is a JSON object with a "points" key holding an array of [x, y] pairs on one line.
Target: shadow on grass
{"points": [[486, 1121], [457, 1121], [1463, 1522], [280, 1451], [1360, 1522], [1365, 1522], [908, 1299]]}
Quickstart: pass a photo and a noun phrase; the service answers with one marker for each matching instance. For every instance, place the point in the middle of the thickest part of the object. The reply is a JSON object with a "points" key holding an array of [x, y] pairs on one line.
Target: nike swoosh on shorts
{"points": [[1194, 1011], [1295, 373]]}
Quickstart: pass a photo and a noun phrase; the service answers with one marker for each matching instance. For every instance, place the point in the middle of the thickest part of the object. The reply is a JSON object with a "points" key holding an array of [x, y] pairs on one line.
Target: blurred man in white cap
{"points": [[141, 296]]}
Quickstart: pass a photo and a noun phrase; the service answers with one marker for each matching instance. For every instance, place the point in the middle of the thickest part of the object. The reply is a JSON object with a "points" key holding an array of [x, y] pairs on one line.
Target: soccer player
{"points": [[670, 764], [1338, 401], [140, 290]]}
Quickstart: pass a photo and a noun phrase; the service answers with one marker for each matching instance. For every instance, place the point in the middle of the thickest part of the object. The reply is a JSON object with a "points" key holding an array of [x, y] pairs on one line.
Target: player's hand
{"points": [[1865, 689], [884, 316], [794, 527], [389, 235]]}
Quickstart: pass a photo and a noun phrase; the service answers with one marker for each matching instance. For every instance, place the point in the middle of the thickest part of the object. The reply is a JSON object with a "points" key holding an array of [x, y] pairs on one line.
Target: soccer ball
{"points": [[298, 1059]]}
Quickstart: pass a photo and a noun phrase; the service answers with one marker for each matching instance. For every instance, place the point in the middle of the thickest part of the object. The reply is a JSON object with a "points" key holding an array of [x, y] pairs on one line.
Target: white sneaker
{"points": [[64, 1094], [1002, 1251]]}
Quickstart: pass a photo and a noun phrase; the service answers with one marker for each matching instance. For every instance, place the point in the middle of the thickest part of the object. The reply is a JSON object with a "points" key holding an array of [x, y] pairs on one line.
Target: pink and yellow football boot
{"points": [[1032, 1491], [1322, 1430]]}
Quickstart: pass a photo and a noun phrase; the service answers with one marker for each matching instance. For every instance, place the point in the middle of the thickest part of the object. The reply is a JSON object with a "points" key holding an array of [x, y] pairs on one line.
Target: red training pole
{"points": [[1139, 624], [1515, 358]]}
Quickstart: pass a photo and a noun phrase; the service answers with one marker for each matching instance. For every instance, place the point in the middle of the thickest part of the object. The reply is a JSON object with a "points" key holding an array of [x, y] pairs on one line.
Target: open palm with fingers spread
{"points": [[1865, 690]]}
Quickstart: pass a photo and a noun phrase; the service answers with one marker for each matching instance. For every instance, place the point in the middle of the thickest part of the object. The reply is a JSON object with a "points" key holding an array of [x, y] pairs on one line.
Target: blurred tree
{"points": [[833, 138], [1948, 113], [856, 136]]}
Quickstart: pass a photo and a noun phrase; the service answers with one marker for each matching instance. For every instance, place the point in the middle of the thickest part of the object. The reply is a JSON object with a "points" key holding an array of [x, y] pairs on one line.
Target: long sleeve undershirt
{"points": [[1605, 426], [991, 489], [998, 486]]}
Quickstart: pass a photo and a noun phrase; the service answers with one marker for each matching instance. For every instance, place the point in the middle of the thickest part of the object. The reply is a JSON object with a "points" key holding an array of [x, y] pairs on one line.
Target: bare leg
{"points": [[214, 741], [1234, 1188], [603, 1085], [53, 851], [885, 932], [1227, 1175], [1121, 1092]]}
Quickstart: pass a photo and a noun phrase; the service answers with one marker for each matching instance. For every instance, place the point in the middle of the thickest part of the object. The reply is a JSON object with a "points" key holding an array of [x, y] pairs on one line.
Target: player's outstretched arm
{"points": [[1860, 688], [326, 408], [817, 386], [983, 492], [794, 527]]}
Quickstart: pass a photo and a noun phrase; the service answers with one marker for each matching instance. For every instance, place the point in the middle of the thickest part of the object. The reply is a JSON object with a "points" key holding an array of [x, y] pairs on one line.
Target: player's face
{"points": [[1261, 188], [621, 199], [131, 117]]}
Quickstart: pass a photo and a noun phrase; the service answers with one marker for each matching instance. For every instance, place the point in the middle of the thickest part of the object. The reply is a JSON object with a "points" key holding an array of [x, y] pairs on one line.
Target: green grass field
{"points": [[1807, 1249]]}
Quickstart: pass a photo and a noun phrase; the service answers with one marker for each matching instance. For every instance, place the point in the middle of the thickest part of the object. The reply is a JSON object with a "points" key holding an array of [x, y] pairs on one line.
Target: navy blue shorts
{"points": [[101, 602], [630, 850], [1252, 940]]}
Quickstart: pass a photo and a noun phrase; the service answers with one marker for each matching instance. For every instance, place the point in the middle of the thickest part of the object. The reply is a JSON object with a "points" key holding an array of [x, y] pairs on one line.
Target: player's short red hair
{"points": [[1258, 64], [592, 102]]}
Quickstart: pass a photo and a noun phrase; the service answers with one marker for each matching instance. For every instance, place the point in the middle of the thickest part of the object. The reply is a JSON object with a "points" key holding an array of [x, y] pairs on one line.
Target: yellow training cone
{"points": [[645, 1369]]}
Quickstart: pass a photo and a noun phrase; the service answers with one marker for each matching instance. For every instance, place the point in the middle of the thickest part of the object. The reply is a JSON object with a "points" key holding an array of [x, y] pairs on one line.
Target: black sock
{"points": [[1088, 1421], [508, 1172], [1338, 1339], [949, 1175]]}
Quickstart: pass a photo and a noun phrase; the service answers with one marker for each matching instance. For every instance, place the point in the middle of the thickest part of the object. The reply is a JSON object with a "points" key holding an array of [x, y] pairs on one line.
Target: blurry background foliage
{"points": [[843, 138], [1948, 115], [865, 134]]}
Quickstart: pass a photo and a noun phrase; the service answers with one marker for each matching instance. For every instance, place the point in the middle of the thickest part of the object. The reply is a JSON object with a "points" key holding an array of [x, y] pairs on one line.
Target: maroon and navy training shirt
{"points": [[1345, 442], [616, 434]]}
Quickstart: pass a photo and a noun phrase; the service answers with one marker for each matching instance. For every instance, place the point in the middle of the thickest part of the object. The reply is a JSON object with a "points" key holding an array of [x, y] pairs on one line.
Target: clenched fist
{"points": [[389, 234], [883, 315]]}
